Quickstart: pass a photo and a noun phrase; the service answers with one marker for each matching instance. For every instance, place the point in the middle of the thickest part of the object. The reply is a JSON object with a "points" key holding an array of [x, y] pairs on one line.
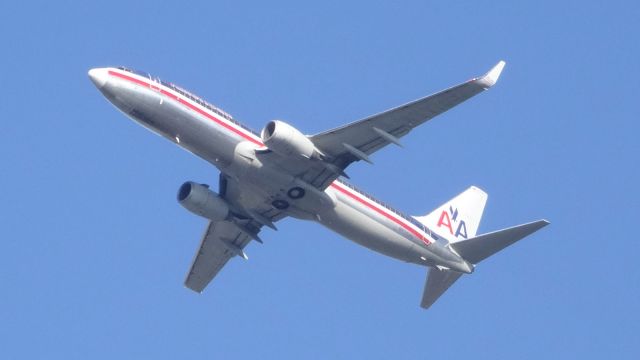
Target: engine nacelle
{"points": [[201, 201], [286, 140]]}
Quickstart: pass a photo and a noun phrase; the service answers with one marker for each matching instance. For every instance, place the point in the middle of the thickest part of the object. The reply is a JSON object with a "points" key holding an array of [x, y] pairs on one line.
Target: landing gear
{"points": [[280, 204], [296, 192], [293, 193]]}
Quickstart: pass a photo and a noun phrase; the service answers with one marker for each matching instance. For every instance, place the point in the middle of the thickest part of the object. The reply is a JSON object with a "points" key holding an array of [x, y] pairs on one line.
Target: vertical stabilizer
{"points": [[457, 219]]}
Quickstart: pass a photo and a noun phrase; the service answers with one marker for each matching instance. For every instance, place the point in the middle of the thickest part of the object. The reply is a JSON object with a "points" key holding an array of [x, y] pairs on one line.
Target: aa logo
{"points": [[449, 219]]}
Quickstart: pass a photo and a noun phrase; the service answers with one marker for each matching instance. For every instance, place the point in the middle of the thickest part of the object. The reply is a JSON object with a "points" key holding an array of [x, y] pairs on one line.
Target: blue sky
{"points": [[95, 248]]}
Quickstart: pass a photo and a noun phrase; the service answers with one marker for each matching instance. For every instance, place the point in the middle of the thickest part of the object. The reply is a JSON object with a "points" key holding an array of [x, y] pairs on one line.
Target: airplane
{"points": [[281, 172]]}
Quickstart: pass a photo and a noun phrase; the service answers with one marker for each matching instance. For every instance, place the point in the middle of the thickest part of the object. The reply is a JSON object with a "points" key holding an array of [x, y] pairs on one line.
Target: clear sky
{"points": [[94, 247]]}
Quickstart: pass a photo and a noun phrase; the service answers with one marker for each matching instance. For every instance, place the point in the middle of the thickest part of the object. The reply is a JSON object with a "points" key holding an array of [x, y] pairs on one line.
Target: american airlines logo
{"points": [[449, 220]]}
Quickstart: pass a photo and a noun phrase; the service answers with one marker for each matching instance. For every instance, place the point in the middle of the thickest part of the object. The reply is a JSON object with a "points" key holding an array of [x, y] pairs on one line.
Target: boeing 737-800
{"points": [[281, 172]]}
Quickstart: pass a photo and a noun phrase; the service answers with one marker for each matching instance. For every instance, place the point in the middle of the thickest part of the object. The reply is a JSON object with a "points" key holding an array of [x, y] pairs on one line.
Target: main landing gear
{"points": [[294, 193]]}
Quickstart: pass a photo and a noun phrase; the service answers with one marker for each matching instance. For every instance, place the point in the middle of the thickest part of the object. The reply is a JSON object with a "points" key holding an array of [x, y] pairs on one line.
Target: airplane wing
{"points": [[221, 241], [357, 140]]}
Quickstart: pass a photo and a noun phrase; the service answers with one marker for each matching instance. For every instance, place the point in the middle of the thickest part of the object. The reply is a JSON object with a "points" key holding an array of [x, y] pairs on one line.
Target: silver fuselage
{"points": [[214, 136]]}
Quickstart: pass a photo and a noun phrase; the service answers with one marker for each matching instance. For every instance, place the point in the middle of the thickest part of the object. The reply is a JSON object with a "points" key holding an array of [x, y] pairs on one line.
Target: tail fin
{"points": [[457, 219], [481, 247]]}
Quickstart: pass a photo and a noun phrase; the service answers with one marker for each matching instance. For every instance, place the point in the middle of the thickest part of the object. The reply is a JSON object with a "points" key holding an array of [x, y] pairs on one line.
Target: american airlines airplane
{"points": [[281, 172]]}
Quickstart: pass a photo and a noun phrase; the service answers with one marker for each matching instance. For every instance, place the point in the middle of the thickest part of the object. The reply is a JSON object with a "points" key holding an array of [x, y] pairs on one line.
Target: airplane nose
{"points": [[98, 76]]}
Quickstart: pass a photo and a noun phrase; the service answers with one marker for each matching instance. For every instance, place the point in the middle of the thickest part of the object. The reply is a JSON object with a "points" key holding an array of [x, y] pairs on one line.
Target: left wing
{"points": [[357, 140], [221, 241]]}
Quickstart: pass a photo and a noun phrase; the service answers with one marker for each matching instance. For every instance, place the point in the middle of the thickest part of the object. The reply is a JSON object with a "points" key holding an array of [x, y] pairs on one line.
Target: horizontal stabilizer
{"points": [[481, 247], [438, 281]]}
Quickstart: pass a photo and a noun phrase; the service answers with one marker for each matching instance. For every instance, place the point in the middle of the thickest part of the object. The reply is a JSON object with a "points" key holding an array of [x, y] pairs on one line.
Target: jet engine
{"points": [[201, 201], [286, 140]]}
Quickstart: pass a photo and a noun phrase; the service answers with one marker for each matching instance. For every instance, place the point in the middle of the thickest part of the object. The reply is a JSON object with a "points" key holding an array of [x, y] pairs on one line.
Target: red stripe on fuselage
{"points": [[380, 211], [186, 103], [344, 190]]}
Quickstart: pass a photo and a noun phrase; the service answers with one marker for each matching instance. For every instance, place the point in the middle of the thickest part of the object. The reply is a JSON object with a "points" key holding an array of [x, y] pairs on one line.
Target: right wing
{"points": [[221, 241], [357, 140], [341, 146]]}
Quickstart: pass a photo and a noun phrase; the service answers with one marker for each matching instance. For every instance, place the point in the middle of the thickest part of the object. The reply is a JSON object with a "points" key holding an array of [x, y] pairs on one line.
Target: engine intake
{"points": [[286, 140], [200, 200]]}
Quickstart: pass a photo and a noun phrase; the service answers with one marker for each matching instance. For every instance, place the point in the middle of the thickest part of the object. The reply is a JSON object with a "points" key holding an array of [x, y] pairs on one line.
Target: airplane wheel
{"points": [[296, 192], [280, 204]]}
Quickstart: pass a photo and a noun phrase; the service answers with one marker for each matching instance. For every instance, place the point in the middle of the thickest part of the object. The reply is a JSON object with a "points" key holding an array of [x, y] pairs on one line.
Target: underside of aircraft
{"points": [[281, 172]]}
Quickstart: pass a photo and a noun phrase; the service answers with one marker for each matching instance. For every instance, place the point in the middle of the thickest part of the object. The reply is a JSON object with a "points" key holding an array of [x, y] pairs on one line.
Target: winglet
{"points": [[491, 78]]}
